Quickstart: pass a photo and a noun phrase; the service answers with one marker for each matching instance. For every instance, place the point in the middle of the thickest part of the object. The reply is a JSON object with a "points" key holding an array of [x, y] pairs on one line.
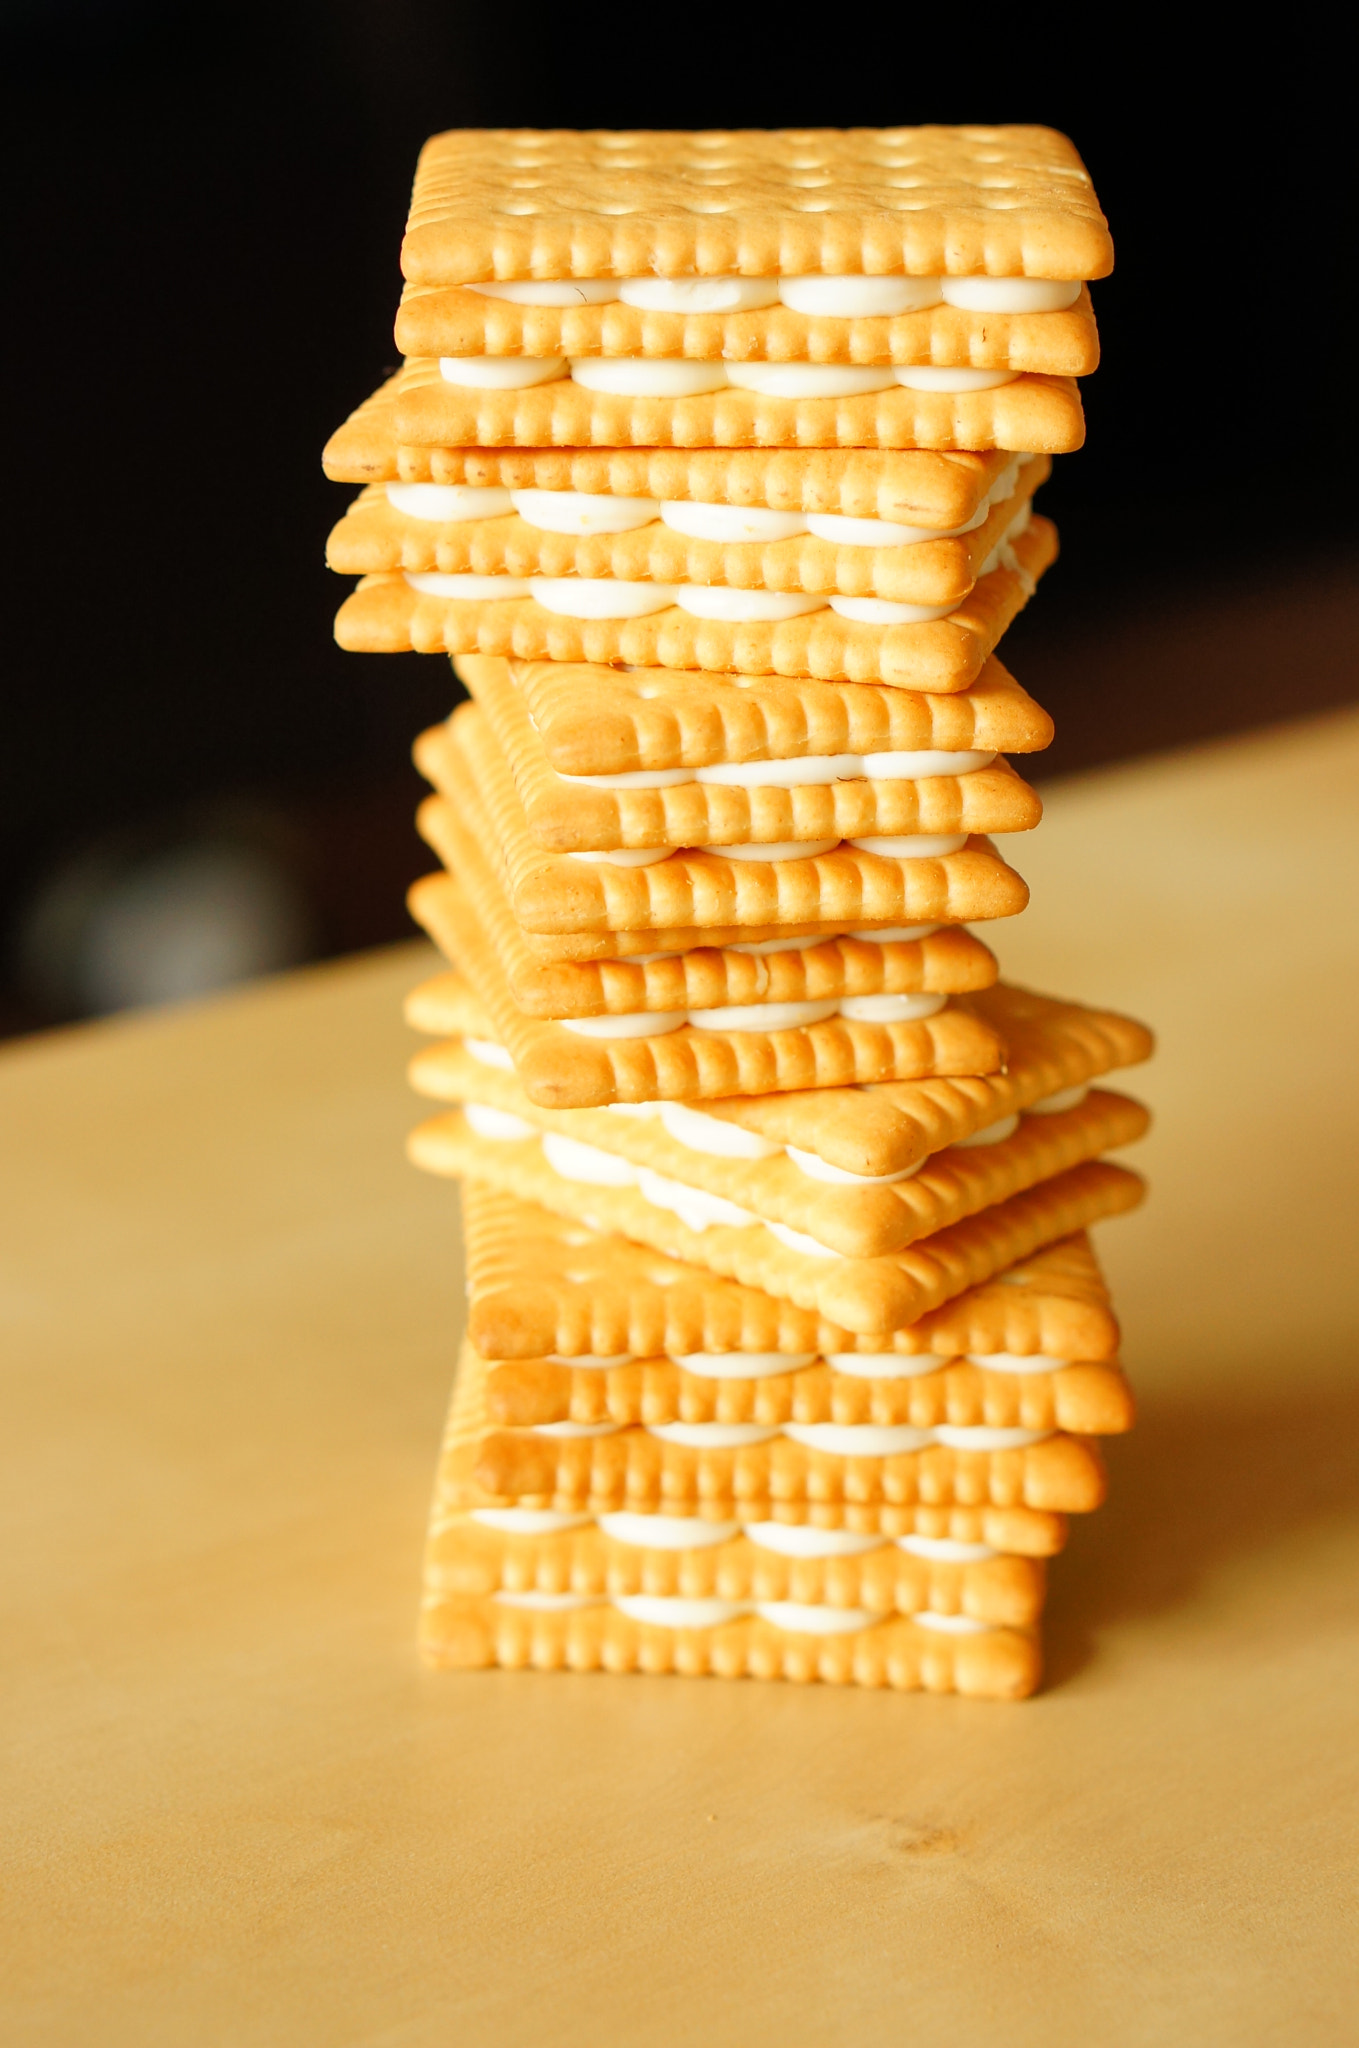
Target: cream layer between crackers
{"points": [[701, 887], [1005, 201], [567, 817], [375, 537], [450, 320], [385, 615]]}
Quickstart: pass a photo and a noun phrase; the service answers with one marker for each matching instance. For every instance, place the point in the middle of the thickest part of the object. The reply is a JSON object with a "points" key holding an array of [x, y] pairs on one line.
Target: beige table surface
{"points": [[236, 1811]]}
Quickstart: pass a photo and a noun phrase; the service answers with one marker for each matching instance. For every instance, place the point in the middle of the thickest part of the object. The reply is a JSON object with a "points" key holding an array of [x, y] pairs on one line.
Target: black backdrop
{"points": [[205, 205]]}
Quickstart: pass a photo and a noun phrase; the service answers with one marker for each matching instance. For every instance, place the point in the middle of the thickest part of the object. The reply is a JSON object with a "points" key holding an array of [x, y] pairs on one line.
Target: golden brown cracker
{"points": [[594, 719], [470, 1633], [566, 817], [1031, 414], [374, 536], [1006, 201], [384, 615], [539, 1284], [450, 320], [465, 1557]]}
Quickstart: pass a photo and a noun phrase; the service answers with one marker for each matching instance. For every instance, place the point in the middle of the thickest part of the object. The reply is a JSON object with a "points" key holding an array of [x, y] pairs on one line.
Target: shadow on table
{"points": [[1204, 1483]]}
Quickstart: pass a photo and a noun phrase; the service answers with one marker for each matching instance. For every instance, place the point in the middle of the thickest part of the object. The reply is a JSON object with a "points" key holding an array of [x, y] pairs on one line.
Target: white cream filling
{"points": [[797, 1539], [597, 597], [711, 1436], [743, 1365], [701, 521], [627, 856], [1010, 294], [501, 373], [884, 611], [798, 1241], [744, 607], [858, 298], [796, 1618], [807, 771], [891, 1009], [468, 589], [496, 1123], [656, 1610], [648, 376], [858, 1439], [811, 380], [633, 1024], [952, 378], [1016, 1361], [886, 533], [587, 1163], [993, 1134], [910, 845], [695, 1207], [883, 1365], [945, 1550], [699, 294], [952, 1624], [767, 1016], [575, 1429], [712, 1135], [958, 1438], [876, 1009], [583, 512], [527, 1521], [666, 1532], [838, 298], [1065, 1098], [776, 849], [893, 934], [489, 1053], [450, 503]]}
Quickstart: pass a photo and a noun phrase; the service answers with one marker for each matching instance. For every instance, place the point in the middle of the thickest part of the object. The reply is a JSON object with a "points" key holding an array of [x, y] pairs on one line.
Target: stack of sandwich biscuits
{"points": [[712, 464]]}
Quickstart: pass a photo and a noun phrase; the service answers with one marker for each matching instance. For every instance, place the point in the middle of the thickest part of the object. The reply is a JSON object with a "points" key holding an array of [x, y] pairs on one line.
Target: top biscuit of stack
{"points": [[914, 250]]}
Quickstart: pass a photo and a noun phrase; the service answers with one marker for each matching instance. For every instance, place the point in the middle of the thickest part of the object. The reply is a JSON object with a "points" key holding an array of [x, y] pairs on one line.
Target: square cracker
{"points": [[1031, 412], [559, 893], [374, 537], [451, 321], [566, 817], [564, 1068], [463, 1556], [470, 1633], [384, 615], [539, 1284], [1007, 201], [596, 720], [867, 1295], [916, 487]]}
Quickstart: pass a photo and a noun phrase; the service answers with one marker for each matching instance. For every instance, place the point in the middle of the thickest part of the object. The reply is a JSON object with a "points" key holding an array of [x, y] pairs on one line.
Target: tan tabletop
{"points": [[238, 1812]]}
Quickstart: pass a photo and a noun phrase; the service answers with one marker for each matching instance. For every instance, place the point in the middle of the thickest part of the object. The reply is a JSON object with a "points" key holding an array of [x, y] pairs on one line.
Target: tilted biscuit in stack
{"points": [[712, 464]]}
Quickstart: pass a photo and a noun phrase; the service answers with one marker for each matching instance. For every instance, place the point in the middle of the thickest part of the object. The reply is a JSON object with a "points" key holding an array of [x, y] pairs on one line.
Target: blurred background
{"points": [[204, 207]]}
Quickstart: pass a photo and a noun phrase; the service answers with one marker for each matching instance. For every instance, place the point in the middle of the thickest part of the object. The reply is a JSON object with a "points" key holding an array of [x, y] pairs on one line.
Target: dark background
{"points": [[204, 207]]}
